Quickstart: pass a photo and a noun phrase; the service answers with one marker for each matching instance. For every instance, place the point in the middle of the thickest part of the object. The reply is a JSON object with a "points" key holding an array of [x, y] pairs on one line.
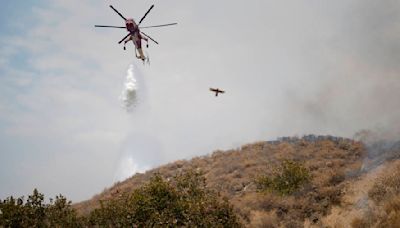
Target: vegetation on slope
{"points": [[184, 201], [384, 210], [286, 178], [329, 161], [290, 182], [35, 213]]}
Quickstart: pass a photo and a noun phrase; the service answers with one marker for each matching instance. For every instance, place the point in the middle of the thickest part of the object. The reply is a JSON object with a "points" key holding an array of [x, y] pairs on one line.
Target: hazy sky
{"points": [[288, 68]]}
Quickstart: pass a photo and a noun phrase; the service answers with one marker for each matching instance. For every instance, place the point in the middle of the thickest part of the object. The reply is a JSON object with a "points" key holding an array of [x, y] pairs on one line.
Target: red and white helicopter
{"points": [[135, 34]]}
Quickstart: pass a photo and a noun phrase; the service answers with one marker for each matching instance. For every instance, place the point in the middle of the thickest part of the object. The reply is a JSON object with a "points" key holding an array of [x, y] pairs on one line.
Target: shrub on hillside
{"points": [[184, 201], [286, 179], [12, 213], [59, 213], [35, 213]]}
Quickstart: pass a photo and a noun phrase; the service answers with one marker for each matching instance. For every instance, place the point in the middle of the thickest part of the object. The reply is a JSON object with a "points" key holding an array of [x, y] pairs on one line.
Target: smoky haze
{"points": [[288, 68], [326, 69], [322, 68], [349, 72]]}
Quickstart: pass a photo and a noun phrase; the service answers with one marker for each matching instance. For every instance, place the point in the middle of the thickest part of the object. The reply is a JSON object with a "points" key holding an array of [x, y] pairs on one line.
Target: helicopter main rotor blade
{"points": [[124, 38], [156, 26], [145, 14], [118, 12], [108, 26], [149, 37]]}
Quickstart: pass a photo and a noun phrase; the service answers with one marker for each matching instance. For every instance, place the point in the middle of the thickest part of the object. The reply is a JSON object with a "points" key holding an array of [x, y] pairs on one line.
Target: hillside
{"points": [[337, 167], [313, 181]]}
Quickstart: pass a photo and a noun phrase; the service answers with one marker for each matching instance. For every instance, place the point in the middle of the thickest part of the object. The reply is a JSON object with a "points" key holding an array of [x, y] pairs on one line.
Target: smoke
{"points": [[129, 95], [381, 146]]}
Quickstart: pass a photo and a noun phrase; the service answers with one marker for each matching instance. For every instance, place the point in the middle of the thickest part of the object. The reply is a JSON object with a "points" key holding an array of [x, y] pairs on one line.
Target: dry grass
{"points": [[385, 194], [233, 174], [263, 219], [387, 186]]}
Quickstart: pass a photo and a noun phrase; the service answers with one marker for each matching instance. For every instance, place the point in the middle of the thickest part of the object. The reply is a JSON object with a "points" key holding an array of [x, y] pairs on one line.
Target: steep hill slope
{"points": [[332, 162]]}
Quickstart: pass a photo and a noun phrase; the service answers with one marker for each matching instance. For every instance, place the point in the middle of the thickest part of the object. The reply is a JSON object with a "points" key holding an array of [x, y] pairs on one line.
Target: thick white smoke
{"points": [[129, 93]]}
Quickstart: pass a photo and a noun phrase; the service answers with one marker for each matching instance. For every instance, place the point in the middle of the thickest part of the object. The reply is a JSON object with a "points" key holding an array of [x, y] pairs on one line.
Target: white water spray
{"points": [[128, 167], [135, 154], [130, 91]]}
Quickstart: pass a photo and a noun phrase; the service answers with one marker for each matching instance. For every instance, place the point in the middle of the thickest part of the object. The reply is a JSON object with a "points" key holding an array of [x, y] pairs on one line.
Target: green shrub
{"points": [[184, 201], [286, 179], [60, 213], [12, 213], [35, 213]]}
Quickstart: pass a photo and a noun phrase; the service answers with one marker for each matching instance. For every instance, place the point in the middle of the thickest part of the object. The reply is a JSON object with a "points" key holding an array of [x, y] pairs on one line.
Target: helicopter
{"points": [[135, 35]]}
